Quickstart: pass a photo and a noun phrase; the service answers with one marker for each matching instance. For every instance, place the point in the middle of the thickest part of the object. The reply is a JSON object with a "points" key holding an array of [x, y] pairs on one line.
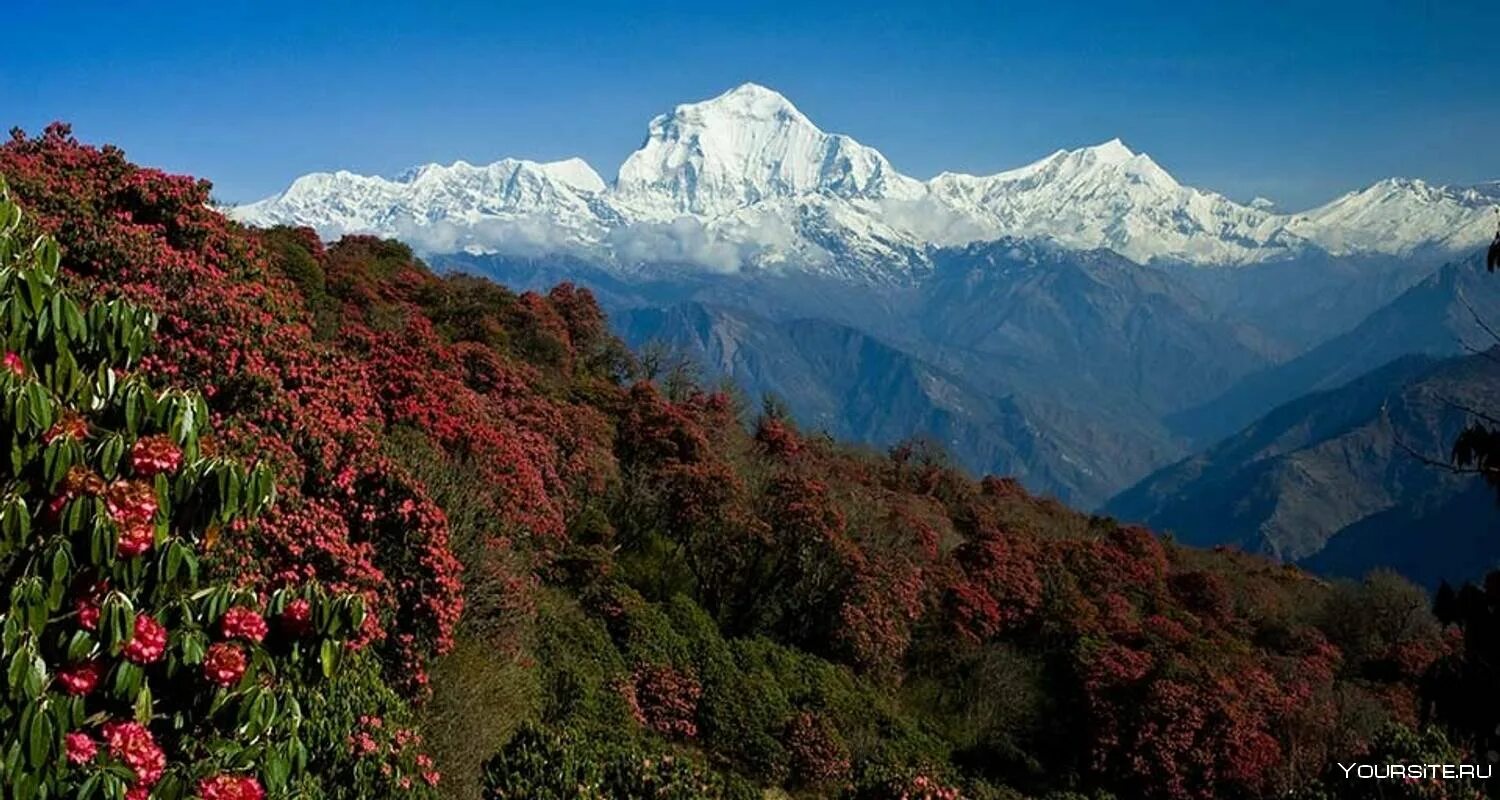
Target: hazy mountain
{"points": [[837, 379], [1084, 322], [1302, 302], [1431, 317], [1331, 479]]}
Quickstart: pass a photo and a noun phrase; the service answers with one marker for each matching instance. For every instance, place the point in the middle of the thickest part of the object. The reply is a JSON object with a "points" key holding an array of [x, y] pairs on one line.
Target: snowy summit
{"points": [[747, 180]]}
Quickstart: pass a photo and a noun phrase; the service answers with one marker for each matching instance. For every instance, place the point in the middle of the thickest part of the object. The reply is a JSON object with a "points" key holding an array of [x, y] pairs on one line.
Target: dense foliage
{"points": [[126, 675], [659, 594]]}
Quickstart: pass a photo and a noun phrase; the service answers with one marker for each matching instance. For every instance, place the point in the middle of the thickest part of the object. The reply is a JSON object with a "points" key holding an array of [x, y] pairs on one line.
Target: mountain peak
{"points": [[746, 145], [749, 104], [751, 99], [1113, 151]]}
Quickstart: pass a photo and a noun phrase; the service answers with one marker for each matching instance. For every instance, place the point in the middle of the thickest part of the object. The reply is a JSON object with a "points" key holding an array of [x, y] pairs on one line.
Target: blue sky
{"points": [[1295, 101]]}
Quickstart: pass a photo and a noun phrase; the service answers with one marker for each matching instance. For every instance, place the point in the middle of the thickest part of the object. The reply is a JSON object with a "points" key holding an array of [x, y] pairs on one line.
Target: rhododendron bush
{"points": [[126, 674], [231, 329]]}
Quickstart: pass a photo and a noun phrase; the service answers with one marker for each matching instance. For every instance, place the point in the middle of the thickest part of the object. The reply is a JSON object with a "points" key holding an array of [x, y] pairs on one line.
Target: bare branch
{"points": [[1486, 352], [1457, 406], [1426, 460], [1478, 320]]}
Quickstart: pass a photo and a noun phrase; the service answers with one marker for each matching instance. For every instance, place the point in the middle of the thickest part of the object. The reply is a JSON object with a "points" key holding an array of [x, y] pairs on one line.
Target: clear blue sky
{"points": [[1295, 101]]}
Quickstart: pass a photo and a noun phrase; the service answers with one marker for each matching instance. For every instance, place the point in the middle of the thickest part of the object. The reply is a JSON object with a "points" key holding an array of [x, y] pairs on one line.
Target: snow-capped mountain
{"points": [[745, 147], [746, 179], [528, 205], [1108, 196], [1398, 215]]}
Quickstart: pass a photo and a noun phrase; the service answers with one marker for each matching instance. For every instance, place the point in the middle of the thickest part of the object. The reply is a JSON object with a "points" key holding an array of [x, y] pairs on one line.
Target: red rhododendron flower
{"points": [[52, 511], [88, 615], [297, 617], [14, 363], [230, 787], [87, 606], [135, 538], [80, 678], [224, 663], [149, 642], [153, 455], [243, 623], [130, 502], [362, 744], [132, 744], [71, 426], [80, 748]]}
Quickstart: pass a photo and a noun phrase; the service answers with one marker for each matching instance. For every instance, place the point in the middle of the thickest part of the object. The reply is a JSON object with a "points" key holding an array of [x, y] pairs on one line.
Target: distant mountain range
{"points": [[1085, 323], [1341, 480], [746, 180], [1442, 315]]}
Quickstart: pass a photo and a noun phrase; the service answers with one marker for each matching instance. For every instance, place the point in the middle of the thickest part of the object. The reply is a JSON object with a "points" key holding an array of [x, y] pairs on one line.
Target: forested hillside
{"points": [[588, 579]]}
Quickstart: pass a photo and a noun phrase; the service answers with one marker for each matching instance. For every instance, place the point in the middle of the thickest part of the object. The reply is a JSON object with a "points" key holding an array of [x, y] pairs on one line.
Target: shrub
{"points": [[541, 765], [818, 752], [364, 740], [126, 674]]}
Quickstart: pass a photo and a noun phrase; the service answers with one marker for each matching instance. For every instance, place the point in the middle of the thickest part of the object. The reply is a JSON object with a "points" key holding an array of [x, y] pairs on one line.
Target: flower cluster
{"points": [[230, 787], [133, 745], [71, 426], [296, 618], [395, 749], [244, 623], [224, 663], [668, 699], [80, 678], [818, 755], [80, 748], [154, 455], [149, 642], [132, 505]]}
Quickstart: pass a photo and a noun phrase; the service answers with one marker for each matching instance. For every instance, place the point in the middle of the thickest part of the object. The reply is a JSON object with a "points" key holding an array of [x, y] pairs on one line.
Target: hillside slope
{"points": [[1047, 364], [1330, 480]]}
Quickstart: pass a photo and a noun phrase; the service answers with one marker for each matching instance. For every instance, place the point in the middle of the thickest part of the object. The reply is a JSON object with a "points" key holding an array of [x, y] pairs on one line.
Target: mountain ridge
{"points": [[746, 180]]}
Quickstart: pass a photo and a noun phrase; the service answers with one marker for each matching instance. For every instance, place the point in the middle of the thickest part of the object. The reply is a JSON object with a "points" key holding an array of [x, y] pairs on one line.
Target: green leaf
{"points": [[39, 738], [15, 672], [143, 704], [329, 657], [36, 675], [80, 646]]}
